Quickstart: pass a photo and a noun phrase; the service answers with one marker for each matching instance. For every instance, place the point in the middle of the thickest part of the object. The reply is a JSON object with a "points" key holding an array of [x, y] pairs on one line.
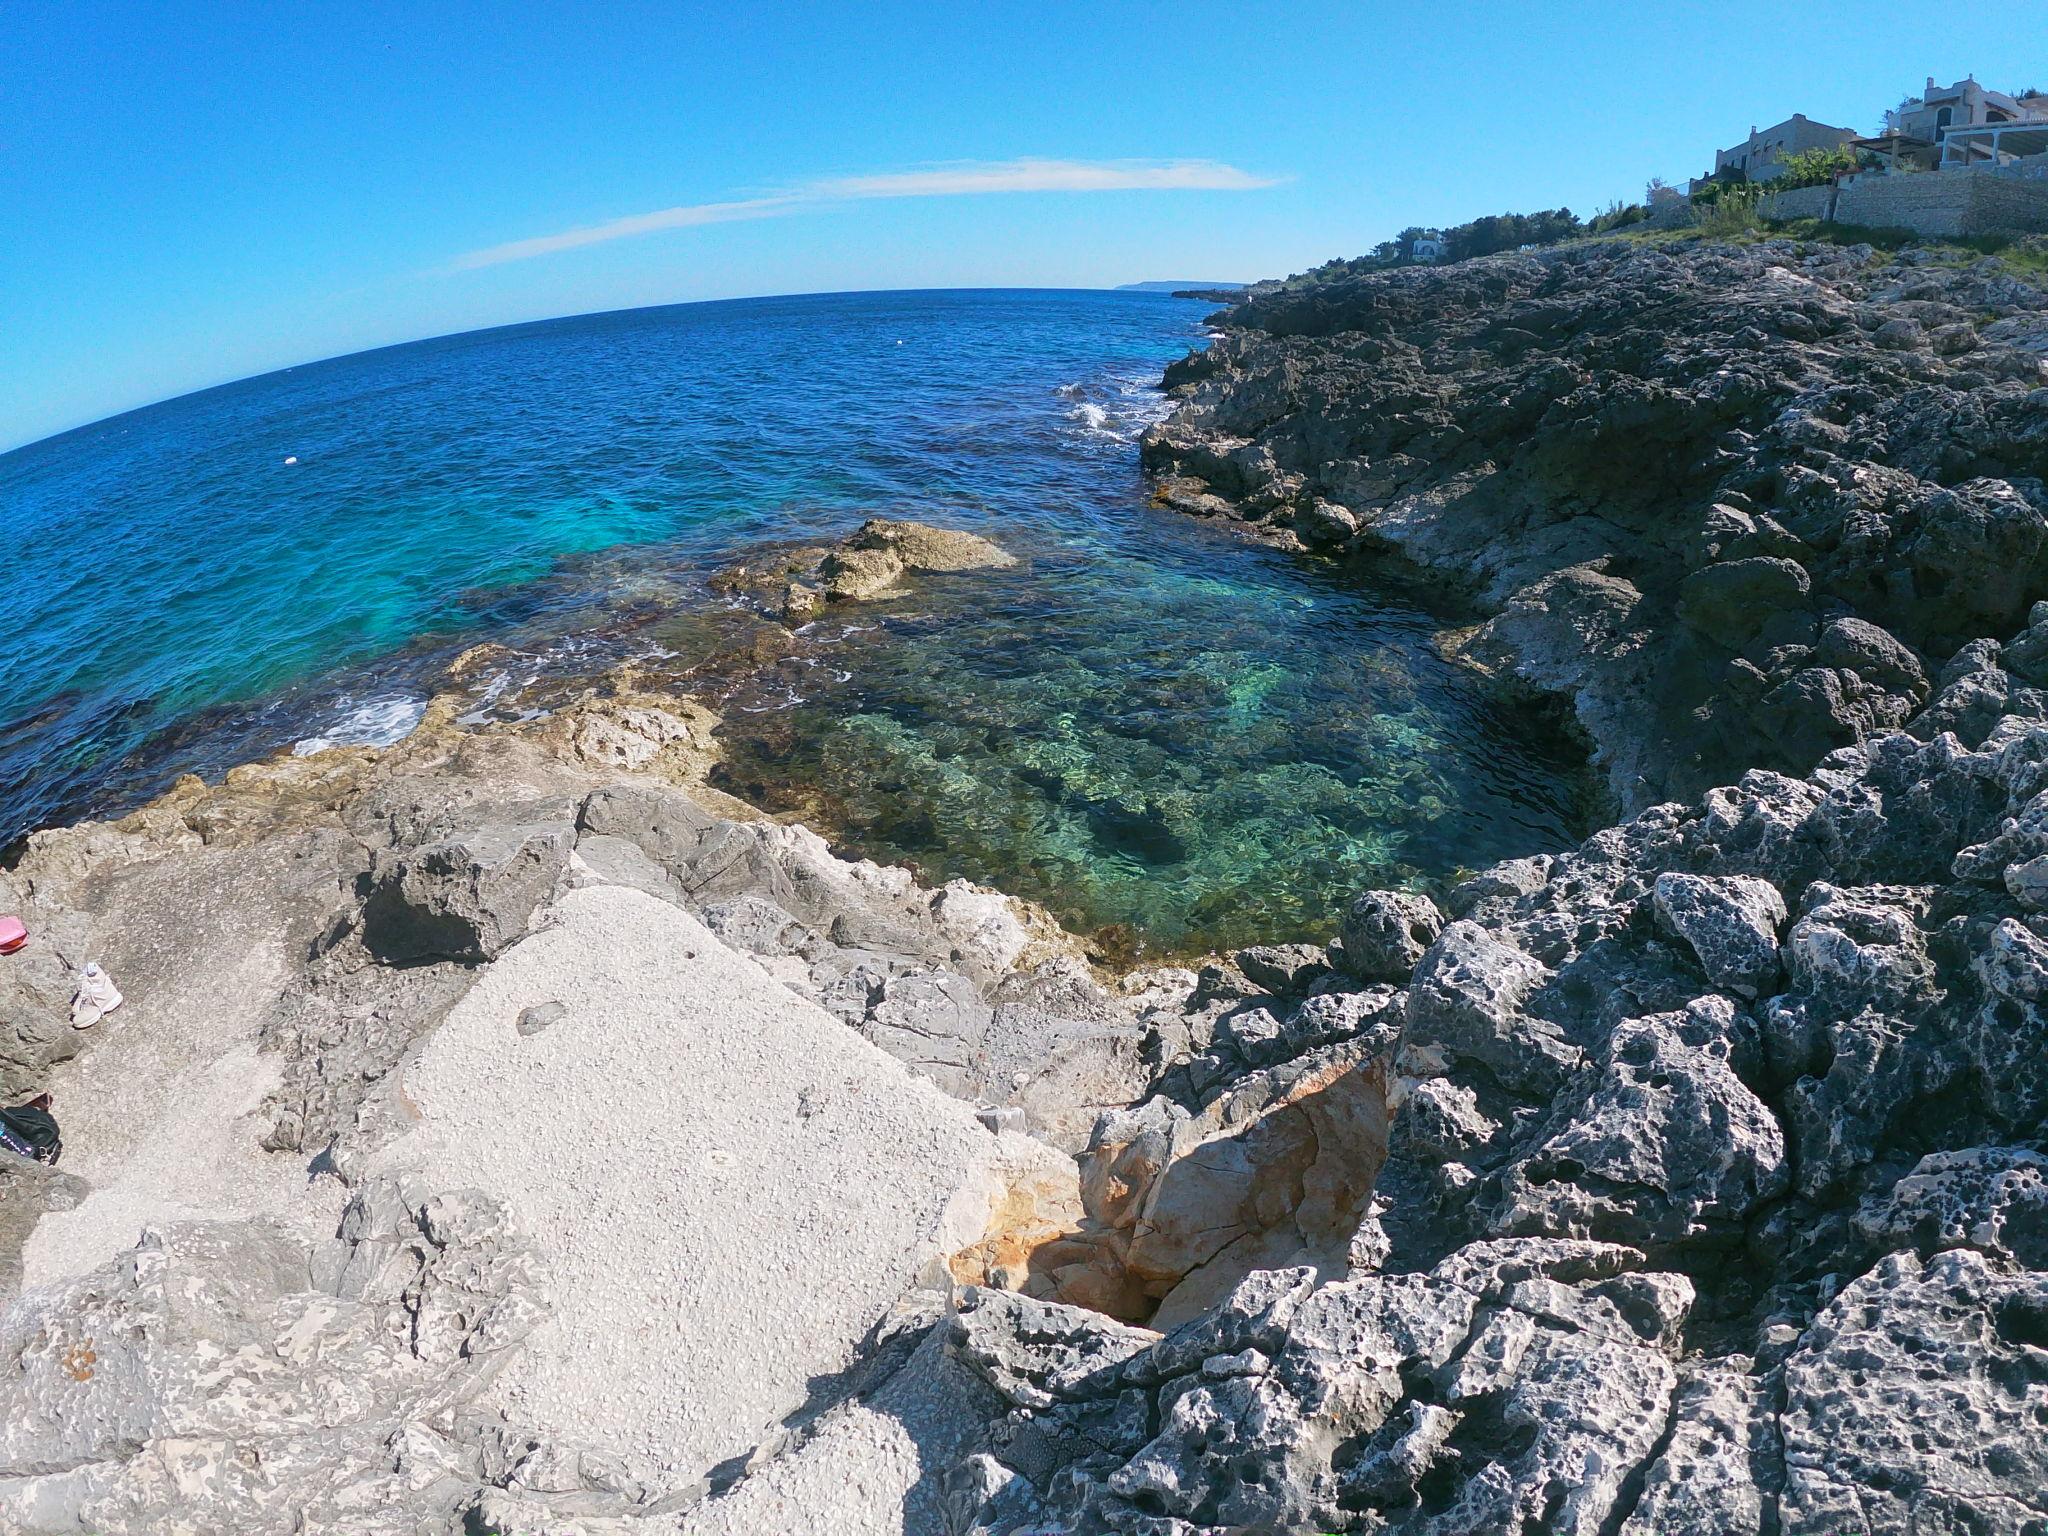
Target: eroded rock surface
{"points": [[1689, 1181], [1735, 502], [577, 1048], [227, 1376], [1713, 1199]]}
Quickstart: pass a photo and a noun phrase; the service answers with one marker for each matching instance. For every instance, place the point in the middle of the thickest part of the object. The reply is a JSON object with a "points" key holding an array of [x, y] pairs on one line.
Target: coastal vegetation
{"points": [[1726, 210]]}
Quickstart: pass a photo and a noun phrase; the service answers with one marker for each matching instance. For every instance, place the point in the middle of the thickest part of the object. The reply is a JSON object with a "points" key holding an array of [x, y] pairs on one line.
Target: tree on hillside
{"points": [[1508, 231], [1814, 167]]}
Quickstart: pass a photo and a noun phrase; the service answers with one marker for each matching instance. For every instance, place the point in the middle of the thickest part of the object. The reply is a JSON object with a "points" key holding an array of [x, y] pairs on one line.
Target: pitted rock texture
{"points": [[1384, 933], [1714, 1197], [1510, 1389], [1713, 1200], [1719, 496]]}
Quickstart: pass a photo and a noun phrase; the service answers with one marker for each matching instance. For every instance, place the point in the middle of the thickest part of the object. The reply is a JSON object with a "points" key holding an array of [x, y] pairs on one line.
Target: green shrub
{"points": [[1813, 167], [1731, 213], [1508, 231], [1616, 215]]}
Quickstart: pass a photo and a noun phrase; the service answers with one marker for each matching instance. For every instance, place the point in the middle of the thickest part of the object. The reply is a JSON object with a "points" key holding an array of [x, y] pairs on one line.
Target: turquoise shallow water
{"points": [[1162, 731]]}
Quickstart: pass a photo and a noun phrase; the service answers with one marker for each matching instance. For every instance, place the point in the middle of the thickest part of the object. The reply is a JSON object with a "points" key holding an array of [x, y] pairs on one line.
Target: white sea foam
{"points": [[486, 706], [1122, 406], [372, 723]]}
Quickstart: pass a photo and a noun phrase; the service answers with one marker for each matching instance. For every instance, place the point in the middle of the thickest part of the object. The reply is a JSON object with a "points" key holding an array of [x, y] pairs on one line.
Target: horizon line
{"points": [[584, 314]]}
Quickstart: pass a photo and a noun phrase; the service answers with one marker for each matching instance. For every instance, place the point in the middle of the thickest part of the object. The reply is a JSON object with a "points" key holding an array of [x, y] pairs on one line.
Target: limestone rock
{"points": [[1385, 933], [1283, 969], [1992, 1199], [1277, 1170], [867, 564], [222, 1377], [1731, 922], [1954, 1351], [467, 898], [1035, 1353], [1732, 601], [28, 1190], [1285, 1408], [1669, 1146], [1467, 998], [1718, 1473]]}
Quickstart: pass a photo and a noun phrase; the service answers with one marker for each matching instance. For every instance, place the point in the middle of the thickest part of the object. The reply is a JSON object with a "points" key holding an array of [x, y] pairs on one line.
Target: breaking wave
{"points": [[372, 723]]}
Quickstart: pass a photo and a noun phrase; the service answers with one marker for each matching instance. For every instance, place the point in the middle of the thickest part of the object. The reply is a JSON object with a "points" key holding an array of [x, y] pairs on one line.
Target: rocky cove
{"points": [[525, 1136]]}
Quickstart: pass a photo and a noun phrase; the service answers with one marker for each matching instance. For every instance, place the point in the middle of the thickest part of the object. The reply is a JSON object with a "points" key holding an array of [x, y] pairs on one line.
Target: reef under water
{"points": [[1170, 736]]}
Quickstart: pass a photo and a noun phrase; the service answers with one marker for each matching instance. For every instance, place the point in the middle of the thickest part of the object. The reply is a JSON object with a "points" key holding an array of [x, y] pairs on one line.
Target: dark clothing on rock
{"points": [[29, 1131]]}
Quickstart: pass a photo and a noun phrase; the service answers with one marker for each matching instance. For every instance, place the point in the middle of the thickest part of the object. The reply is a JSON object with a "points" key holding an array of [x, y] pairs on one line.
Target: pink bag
{"points": [[13, 934]]}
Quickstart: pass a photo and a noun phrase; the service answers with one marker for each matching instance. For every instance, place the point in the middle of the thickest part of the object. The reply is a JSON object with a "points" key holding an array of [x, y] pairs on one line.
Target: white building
{"points": [[1966, 104], [1963, 126], [1428, 247]]}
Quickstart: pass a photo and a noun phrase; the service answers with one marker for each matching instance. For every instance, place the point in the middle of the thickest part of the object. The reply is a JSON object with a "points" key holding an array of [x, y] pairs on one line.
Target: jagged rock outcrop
{"points": [[1736, 502], [463, 898], [1548, 1370], [1713, 1201], [1690, 1181]]}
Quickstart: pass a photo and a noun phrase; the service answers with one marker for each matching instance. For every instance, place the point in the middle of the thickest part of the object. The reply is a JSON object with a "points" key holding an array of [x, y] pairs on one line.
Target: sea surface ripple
{"points": [[1164, 732]]}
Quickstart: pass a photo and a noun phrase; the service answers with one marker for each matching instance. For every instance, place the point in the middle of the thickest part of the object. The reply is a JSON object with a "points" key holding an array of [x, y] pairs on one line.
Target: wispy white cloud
{"points": [[957, 179], [636, 224], [971, 177]]}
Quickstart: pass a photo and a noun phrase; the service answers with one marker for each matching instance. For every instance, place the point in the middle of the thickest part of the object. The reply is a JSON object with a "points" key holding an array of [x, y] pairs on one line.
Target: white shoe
{"points": [[97, 997]]}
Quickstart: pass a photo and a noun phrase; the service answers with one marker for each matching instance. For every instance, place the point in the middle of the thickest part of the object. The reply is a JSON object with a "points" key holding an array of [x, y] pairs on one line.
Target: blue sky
{"points": [[195, 192]]}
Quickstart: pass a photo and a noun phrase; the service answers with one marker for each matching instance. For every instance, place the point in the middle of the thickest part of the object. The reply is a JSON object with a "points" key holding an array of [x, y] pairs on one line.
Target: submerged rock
{"points": [[867, 564]]}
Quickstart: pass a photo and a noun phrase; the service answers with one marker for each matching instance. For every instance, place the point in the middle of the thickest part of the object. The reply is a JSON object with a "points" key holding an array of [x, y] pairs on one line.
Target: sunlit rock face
{"points": [[1686, 1180], [1710, 1199]]}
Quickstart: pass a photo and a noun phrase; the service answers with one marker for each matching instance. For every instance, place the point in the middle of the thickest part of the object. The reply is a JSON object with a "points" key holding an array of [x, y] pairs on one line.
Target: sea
{"points": [[1174, 737]]}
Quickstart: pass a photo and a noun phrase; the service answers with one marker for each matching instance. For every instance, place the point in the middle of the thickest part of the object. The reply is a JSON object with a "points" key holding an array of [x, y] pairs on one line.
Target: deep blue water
{"points": [[1152, 725]]}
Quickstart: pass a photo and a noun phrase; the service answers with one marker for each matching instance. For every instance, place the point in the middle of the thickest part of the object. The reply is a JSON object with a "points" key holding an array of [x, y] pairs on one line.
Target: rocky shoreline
{"points": [[530, 1139], [1735, 502]]}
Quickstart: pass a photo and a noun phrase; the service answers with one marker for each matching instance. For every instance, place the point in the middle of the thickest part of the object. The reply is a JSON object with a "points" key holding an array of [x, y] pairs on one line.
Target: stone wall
{"points": [[2006, 203], [1798, 203], [1671, 213], [1941, 203]]}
